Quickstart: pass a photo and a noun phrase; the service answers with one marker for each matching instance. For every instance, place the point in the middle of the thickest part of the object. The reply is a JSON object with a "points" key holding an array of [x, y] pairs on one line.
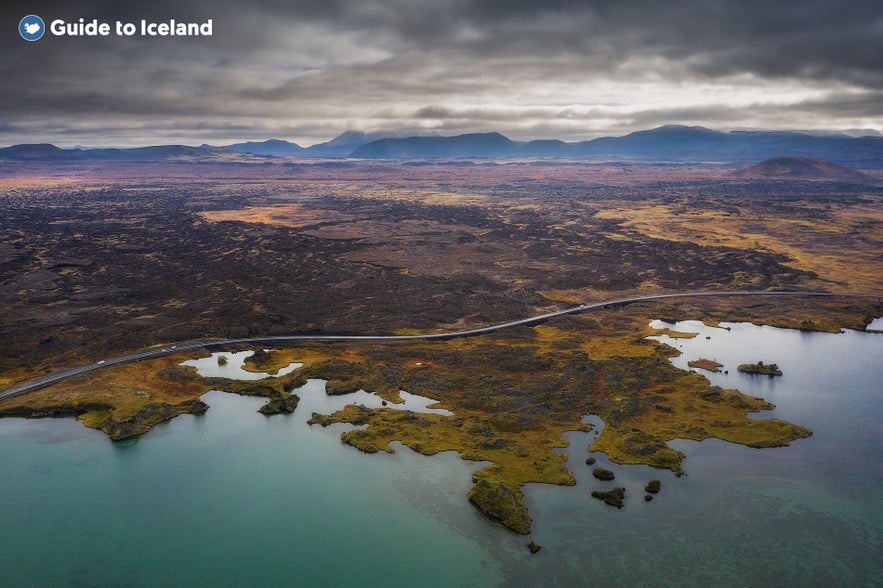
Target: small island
{"points": [[769, 369], [603, 474], [705, 364], [613, 497]]}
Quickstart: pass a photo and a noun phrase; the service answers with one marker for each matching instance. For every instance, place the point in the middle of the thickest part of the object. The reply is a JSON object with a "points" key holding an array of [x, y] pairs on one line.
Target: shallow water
{"points": [[230, 498], [234, 368], [235, 498]]}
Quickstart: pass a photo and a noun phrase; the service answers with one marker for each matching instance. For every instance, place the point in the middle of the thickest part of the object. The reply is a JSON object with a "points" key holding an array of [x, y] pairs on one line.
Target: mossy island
{"points": [[706, 364], [613, 497], [760, 368], [602, 474], [279, 405]]}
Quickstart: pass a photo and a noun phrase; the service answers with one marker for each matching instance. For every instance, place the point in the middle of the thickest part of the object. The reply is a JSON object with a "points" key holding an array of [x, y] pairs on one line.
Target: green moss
{"points": [[760, 368], [285, 404], [614, 497], [119, 427], [501, 502], [603, 474]]}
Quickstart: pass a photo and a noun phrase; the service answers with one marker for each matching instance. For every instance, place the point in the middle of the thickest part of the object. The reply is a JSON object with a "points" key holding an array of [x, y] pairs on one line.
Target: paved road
{"points": [[154, 352]]}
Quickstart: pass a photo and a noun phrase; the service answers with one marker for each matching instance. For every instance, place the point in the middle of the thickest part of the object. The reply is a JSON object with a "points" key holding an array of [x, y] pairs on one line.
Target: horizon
{"points": [[568, 69], [852, 133]]}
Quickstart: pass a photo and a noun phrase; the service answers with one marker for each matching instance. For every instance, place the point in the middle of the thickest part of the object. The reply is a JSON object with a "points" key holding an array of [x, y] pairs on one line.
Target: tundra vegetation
{"points": [[101, 261], [705, 364]]}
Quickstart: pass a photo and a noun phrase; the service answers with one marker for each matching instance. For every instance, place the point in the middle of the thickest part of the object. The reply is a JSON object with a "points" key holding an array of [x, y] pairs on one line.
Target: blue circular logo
{"points": [[31, 28]]}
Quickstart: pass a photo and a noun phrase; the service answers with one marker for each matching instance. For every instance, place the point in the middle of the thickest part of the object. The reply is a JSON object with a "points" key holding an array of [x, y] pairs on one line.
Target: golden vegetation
{"points": [[407, 250], [512, 394], [705, 364], [840, 243]]}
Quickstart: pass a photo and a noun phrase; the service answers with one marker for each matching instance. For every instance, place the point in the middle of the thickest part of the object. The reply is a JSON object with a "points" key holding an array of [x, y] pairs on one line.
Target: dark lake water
{"points": [[233, 498]]}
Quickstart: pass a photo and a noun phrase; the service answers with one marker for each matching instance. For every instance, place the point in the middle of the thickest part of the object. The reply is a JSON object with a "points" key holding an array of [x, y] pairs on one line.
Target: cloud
{"points": [[313, 68]]}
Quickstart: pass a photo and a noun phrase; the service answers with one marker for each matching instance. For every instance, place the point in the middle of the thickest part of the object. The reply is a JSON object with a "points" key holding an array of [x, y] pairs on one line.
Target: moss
{"points": [[603, 474], [676, 334], [501, 502], [614, 497], [769, 369], [512, 397], [285, 404], [706, 364], [142, 421]]}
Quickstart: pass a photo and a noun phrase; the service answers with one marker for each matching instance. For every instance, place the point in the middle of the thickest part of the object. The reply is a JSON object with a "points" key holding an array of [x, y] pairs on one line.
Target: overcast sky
{"points": [[307, 70]]}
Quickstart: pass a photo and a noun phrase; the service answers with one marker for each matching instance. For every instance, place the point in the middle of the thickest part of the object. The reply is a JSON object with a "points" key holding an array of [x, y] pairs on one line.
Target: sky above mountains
{"points": [[307, 70]]}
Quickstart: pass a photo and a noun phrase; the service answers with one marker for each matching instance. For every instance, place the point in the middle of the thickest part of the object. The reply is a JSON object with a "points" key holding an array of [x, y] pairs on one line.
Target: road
{"points": [[154, 352]]}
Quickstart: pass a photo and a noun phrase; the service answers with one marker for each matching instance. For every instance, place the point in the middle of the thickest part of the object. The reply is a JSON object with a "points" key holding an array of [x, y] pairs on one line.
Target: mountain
{"points": [[340, 146], [672, 143], [268, 147], [801, 168], [669, 140], [667, 143], [47, 152], [30, 151], [472, 145], [157, 153], [347, 143]]}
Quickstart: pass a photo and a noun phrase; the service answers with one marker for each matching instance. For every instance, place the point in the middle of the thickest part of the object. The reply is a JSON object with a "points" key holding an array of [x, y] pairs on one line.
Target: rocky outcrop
{"points": [[285, 404]]}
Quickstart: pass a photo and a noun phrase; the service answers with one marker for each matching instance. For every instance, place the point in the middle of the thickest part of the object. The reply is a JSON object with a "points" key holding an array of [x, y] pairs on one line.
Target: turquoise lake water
{"points": [[234, 498]]}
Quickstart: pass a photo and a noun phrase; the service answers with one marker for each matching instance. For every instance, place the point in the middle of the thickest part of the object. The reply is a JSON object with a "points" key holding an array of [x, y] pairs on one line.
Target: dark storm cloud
{"points": [[313, 68]]}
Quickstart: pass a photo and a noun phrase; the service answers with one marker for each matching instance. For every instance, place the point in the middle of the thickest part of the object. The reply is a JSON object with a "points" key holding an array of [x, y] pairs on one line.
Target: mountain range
{"points": [[672, 143]]}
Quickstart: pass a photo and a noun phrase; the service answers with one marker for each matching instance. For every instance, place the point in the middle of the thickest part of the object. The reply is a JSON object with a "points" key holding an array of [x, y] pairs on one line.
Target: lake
{"points": [[234, 498]]}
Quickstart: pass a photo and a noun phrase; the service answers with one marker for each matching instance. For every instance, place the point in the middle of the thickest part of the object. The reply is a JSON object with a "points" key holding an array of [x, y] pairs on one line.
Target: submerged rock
{"points": [[533, 547]]}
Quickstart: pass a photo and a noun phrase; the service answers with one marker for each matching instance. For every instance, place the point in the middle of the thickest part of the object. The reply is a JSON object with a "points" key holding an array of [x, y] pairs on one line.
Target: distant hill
{"points": [[340, 146], [801, 168], [671, 143], [29, 151], [47, 152], [668, 143], [345, 143], [268, 147], [471, 145]]}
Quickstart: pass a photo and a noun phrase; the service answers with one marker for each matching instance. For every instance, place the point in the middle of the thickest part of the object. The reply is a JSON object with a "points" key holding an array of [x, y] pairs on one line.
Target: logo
{"points": [[31, 28]]}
